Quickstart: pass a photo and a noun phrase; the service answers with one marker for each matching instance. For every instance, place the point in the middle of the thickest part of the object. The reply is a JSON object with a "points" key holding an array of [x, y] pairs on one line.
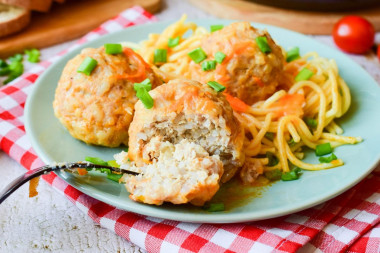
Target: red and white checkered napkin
{"points": [[348, 222]]}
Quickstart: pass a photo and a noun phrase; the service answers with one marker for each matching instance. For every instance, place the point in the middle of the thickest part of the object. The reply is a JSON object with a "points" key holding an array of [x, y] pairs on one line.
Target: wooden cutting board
{"points": [[68, 21], [300, 21]]}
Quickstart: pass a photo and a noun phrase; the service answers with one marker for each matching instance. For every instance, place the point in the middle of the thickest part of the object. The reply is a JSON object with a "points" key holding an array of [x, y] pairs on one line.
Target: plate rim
{"points": [[193, 217]]}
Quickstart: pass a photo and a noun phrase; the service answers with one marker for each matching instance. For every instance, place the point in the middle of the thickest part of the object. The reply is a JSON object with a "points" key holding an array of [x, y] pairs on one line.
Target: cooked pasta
{"points": [[278, 124]]}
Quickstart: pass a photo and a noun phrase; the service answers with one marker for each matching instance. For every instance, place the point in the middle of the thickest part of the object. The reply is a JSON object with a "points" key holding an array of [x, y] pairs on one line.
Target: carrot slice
{"points": [[82, 172], [140, 74], [236, 104], [290, 104]]}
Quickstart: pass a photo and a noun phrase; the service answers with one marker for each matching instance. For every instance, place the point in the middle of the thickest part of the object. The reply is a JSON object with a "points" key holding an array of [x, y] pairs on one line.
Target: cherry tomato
{"points": [[354, 34]]}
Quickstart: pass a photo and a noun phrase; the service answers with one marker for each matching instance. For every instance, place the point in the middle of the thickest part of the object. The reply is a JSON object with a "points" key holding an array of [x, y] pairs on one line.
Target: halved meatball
{"points": [[183, 110], [247, 72], [98, 109], [182, 173]]}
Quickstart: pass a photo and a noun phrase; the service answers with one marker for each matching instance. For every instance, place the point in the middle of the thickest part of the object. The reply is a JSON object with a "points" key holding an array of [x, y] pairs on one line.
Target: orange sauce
{"points": [[235, 194], [290, 104]]}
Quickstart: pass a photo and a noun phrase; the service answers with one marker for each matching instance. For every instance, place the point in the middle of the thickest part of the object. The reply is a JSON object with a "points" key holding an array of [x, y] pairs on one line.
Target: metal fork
{"points": [[15, 184]]}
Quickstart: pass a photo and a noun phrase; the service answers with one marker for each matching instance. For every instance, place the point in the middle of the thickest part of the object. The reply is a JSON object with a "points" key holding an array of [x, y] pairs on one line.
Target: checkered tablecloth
{"points": [[349, 222]]}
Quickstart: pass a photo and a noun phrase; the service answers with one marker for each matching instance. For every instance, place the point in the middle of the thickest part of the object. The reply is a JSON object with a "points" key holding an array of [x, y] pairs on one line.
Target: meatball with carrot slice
{"points": [[244, 59], [185, 146], [95, 96]]}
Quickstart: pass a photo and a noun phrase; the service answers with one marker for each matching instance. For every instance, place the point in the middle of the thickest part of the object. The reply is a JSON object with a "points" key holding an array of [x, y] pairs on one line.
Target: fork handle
{"points": [[15, 184], [19, 181]]}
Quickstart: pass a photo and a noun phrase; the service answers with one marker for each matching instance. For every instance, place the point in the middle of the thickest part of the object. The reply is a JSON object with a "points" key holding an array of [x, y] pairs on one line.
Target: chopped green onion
{"points": [[145, 98], [293, 54], [113, 163], [197, 55], [3, 64], [16, 68], [87, 66], [219, 57], [126, 149], [16, 57], [214, 28], [216, 86], [172, 42], [105, 170], [269, 136], [113, 48], [304, 74], [214, 207], [95, 160], [311, 122], [328, 159], [4, 71], [208, 65], [323, 149], [273, 175], [114, 177], [294, 174], [160, 55], [262, 42], [272, 159], [146, 84], [292, 143], [33, 55]]}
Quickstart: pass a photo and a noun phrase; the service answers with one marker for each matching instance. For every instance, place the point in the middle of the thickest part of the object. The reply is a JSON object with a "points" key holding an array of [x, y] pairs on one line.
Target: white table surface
{"points": [[50, 222]]}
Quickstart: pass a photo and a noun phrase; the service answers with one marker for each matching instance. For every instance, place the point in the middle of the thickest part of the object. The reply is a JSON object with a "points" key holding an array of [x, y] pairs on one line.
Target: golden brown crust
{"points": [[98, 109], [16, 24], [36, 5]]}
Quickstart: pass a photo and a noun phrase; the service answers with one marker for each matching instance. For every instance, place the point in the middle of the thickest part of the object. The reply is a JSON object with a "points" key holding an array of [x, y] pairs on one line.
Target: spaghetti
{"points": [[277, 125]]}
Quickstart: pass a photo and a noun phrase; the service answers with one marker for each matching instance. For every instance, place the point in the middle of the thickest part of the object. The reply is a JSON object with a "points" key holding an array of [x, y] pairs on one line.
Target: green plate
{"points": [[53, 143]]}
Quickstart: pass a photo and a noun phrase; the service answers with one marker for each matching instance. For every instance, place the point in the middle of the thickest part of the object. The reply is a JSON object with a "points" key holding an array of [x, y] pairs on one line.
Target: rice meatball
{"points": [[98, 109], [199, 126], [246, 71], [183, 173]]}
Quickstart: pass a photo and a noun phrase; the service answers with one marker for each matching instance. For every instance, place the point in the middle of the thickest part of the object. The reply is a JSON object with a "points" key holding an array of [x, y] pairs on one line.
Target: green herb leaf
{"points": [[197, 55], [304, 74], [262, 43], [146, 84], [3, 64], [214, 207], [145, 98], [16, 57], [323, 149], [16, 68], [214, 28], [87, 66], [219, 57], [33, 55], [208, 65], [113, 163], [216, 86], [114, 177], [4, 71], [311, 122], [294, 174], [113, 48], [160, 55], [293, 54], [172, 42], [328, 159], [272, 159], [96, 160], [273, 175], [269, 136]]}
